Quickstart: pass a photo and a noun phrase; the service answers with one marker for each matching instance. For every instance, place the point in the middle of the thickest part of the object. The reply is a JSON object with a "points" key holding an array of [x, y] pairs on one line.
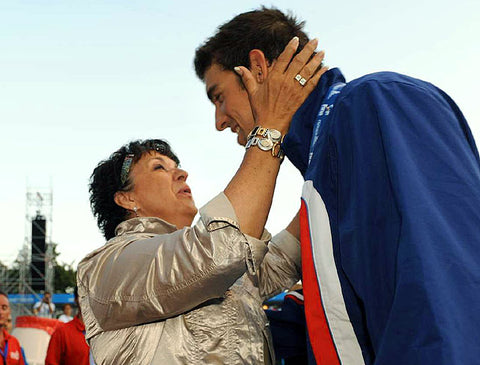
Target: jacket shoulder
{"points": [[383, 81]]}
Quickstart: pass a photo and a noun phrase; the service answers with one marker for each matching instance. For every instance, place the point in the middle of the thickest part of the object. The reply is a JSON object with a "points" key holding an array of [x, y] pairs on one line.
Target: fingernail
{"points": [[315, 41], [295, 39], [238, 70]]}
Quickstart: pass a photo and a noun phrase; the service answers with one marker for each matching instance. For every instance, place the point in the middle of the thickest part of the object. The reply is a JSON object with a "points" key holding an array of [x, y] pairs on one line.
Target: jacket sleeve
{"points": [[408, 222], [281, 266], [140, 278]]}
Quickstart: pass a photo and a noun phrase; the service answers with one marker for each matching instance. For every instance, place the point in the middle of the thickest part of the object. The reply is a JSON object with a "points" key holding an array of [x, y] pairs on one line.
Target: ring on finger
{"points": [[301, 79]]}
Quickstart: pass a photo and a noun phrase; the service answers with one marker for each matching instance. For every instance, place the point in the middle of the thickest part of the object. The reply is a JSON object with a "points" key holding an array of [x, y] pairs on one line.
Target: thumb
{"points": [[247, 78]]}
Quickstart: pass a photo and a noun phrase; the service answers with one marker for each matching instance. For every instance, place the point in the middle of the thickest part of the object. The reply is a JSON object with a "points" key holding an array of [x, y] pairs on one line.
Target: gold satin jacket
{"points": [[157, 295]]}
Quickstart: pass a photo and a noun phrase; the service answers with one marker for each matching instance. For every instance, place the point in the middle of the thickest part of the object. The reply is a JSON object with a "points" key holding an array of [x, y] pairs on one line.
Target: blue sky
{"points": [[79, 79]]}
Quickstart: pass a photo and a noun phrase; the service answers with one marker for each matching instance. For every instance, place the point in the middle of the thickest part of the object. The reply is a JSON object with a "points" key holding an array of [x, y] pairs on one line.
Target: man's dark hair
{"points": [[4, 294], [267, 29], [106, 180]]}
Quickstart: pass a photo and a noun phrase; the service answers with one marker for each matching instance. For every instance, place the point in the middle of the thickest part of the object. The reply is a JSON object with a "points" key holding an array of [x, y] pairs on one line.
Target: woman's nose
{"points": [[180, 174]]}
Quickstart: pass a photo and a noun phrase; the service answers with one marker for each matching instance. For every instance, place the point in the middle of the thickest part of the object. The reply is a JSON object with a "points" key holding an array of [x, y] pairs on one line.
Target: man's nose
{"points": [[220, 119]]}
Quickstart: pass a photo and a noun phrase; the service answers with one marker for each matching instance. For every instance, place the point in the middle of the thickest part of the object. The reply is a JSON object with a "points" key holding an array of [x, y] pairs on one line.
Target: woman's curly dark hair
{"points": [[105, 181]]}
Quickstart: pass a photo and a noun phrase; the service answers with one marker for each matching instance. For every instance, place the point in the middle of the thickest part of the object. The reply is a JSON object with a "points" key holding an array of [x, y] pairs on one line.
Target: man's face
{"points": [[4, 310], [9, 325], [232, 107]]}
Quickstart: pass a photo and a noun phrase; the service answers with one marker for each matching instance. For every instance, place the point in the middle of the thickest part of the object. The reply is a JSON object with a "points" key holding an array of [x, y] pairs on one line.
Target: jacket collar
{"points": [[297, 142], [145, 225]]}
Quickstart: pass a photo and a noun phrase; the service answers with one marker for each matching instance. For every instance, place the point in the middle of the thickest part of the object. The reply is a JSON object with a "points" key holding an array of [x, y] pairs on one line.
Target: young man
{"points": [[390, 206], [10, 350]]}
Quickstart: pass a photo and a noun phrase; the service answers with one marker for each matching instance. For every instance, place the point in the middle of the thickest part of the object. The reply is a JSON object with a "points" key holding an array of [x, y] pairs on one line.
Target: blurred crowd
{"points": [[66, 334]]}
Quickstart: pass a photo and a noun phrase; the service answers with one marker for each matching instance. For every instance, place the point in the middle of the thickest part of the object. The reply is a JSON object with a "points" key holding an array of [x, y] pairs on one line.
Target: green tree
{"points": [[65, 275], [65, 278]]}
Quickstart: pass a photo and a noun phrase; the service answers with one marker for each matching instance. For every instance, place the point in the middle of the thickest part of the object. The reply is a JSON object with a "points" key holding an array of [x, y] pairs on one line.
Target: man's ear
{"points": [[124, 199], [258, 64]]}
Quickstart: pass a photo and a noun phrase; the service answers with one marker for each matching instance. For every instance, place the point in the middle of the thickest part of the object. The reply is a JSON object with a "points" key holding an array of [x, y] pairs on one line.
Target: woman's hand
{"points": [[276, 97]]}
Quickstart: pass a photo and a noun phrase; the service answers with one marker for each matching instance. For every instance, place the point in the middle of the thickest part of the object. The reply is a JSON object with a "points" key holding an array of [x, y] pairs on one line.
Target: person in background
{"points": [[67, 345], [9, 325], [289, 330], [66, 316], [45, 307], [10, 349]]}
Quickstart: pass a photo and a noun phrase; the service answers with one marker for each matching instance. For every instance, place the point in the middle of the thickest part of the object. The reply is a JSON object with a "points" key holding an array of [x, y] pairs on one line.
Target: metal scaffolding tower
{"points": [[38, 222], [34, 271]]}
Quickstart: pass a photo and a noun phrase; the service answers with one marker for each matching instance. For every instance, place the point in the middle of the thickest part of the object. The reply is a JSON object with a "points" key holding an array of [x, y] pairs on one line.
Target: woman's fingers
{"points": [[310, 85], [301, 59], [303, 76], [247, 78], [303, 66], [285, 57]]}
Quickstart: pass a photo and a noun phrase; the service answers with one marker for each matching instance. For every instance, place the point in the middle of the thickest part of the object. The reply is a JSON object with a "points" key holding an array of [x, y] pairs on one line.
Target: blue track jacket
{"points": [[390, 224]]}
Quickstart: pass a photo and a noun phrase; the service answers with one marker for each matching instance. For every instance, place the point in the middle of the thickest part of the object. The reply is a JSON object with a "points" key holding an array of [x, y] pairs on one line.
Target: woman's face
{"points": [[160, 190]]}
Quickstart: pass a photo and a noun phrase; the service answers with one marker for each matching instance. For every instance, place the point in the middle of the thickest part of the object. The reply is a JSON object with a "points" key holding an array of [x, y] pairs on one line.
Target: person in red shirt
{"points": [[10, 350], [67, 344]]}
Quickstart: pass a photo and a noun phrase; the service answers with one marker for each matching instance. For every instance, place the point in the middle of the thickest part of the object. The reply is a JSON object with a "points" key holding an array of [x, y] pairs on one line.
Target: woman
{"points": [[163, 292]]}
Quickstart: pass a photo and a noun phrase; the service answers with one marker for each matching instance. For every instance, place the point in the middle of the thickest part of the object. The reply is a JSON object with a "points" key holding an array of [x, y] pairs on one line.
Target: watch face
{"points": [[265, 144], [275, 135]]}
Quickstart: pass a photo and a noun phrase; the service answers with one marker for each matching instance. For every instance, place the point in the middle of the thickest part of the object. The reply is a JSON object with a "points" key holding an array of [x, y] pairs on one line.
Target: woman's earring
{"points": [[135, 210]]}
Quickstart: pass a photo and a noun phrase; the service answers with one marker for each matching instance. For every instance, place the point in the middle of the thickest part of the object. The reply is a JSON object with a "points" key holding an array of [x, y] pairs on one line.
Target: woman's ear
{"points": [[124, 199], [258, 65]]}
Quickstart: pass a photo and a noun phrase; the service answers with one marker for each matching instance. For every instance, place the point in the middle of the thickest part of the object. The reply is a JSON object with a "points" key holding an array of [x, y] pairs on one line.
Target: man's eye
{"points": [[217, 98], [159, 167]]}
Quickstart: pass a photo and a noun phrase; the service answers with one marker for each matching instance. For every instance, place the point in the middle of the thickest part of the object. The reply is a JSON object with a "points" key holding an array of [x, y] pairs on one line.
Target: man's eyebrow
{"points": [[211, 90]]}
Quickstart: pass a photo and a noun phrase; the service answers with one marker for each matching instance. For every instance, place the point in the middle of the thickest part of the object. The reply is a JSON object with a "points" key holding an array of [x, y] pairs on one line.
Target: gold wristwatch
{"points": [[267, 140]]}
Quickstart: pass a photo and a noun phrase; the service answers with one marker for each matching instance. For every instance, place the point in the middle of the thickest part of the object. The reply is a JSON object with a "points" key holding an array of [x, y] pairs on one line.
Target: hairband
{"points": [[127, 163]]}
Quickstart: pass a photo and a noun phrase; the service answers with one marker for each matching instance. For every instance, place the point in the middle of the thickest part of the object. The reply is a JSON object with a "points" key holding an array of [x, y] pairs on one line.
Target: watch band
{"points": [[272, 134], [266, 140]]}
